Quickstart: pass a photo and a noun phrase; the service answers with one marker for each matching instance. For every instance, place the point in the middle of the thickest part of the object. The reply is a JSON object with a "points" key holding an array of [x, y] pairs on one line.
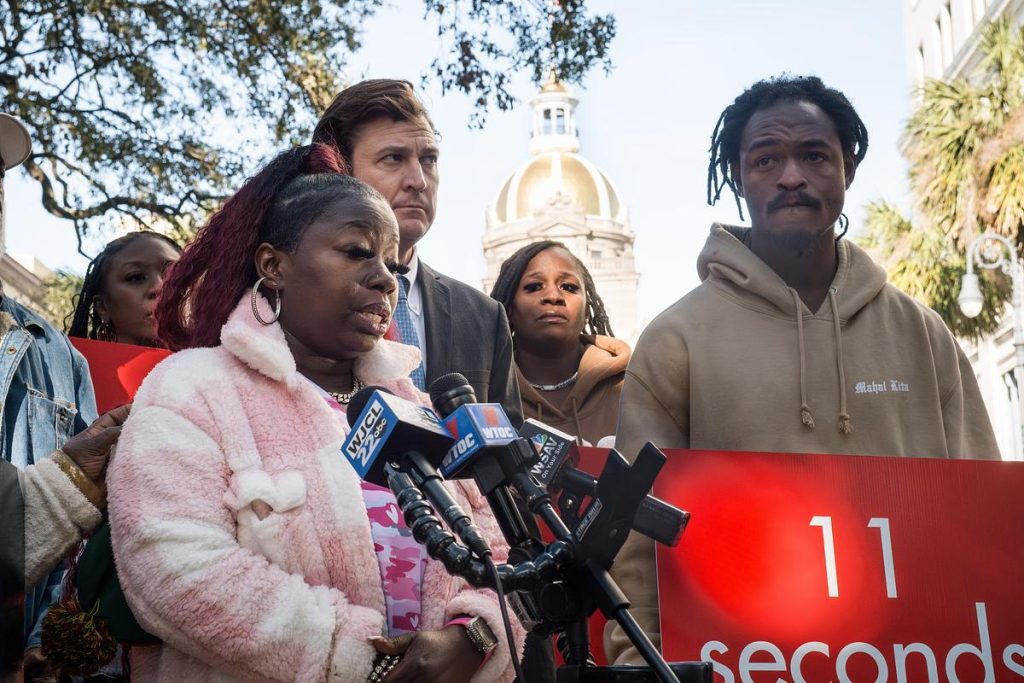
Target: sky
{"points": [[647, 124]]}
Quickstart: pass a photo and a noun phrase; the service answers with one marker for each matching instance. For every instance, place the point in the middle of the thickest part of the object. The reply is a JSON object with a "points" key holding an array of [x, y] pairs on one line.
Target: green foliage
{"points": [[922, 264], [59, 294], [965, 145], [155, 111], [536, 35]]}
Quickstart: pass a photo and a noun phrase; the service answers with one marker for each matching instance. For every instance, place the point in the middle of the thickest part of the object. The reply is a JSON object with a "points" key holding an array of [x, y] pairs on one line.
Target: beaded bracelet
{"points": [[382, 667]]}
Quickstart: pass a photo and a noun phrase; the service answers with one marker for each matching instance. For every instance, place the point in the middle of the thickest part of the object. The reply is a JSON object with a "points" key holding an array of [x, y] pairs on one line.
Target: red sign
{"points": [[843, 568], [117, 370]]}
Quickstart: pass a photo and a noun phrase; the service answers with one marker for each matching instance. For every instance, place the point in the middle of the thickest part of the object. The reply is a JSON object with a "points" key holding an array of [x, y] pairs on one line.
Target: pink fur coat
{"points": [[236, 595]]}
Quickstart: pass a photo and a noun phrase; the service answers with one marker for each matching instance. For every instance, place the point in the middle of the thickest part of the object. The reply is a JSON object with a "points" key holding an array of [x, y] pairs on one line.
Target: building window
{"points": [[546, 126], [937, 65], [560, 121], [946, 22]]}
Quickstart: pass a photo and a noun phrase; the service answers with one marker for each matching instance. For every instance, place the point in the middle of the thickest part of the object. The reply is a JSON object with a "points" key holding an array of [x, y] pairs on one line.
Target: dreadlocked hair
{"points": [[725, 140], [512, 269], [85, 319], [275, 206]]}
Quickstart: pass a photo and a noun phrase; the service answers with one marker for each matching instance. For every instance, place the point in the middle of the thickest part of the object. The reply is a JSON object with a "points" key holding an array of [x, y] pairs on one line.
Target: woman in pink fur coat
{"points": [[241, 534]]}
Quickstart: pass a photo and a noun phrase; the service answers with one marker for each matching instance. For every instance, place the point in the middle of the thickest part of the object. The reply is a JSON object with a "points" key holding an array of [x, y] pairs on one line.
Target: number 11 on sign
{"points": [[829, 547]]}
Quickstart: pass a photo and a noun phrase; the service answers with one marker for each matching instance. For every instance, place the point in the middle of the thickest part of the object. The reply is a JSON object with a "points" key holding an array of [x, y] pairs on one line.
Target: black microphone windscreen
{"points": [[359, 401], [450, 391]]}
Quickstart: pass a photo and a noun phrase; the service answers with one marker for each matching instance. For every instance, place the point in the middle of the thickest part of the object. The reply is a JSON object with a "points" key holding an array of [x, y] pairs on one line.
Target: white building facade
{"points": [[22, 276], [557, 194], [942, 41], [942, 36]]}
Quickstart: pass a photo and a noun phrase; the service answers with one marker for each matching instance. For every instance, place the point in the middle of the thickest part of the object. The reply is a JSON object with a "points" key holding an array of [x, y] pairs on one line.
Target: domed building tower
{"points": [[558, 195]]}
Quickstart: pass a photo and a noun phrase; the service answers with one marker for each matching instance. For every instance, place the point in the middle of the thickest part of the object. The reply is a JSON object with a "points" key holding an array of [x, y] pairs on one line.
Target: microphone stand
{"points": [[609, 596], [565, 578]]}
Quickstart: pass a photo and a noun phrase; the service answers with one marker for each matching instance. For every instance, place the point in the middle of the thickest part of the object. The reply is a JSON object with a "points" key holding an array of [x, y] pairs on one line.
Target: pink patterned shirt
{"points": [[401, 559]]}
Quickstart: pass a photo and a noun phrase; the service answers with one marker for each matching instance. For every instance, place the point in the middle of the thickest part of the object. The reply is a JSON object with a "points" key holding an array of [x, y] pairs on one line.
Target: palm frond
{"points": [[966, 154]]}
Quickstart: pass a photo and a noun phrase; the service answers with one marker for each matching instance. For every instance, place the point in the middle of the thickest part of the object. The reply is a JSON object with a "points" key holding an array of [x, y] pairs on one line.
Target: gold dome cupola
{"points": [[555, 176]]}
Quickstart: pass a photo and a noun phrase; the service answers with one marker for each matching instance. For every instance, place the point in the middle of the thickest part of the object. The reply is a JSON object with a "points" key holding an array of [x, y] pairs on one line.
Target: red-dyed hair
{"points": [[204, 286]]}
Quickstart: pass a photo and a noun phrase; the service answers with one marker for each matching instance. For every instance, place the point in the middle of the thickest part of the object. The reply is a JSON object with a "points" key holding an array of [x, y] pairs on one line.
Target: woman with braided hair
{"points": [[569, 366], [120, 289], [243, 537]]}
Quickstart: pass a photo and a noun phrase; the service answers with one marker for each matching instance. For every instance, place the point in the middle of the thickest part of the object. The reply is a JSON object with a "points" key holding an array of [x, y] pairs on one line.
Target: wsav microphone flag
{"points": [[555, 449]]}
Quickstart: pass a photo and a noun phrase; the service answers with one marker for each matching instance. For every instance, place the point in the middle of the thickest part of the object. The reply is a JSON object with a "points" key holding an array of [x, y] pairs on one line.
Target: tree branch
{"points": [[58, 209]]}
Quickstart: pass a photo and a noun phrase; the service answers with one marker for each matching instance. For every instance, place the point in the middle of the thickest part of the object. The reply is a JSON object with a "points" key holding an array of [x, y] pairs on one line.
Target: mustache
{"points": [[785, 199]]}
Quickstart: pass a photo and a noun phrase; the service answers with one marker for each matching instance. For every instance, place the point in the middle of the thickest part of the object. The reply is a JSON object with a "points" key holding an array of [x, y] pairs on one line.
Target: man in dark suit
{"points": [[388, 140]]}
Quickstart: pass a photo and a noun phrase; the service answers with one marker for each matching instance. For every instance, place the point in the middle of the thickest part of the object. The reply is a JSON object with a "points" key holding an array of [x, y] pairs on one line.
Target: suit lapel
{"points": [[437, 311]]}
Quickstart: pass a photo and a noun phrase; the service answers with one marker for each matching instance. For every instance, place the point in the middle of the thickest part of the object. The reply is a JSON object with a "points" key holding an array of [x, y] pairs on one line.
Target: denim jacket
{"points": [[47, 396]]}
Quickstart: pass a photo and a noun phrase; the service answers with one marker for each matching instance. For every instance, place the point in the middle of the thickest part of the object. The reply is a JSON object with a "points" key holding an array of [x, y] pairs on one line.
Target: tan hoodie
{"points": [[740, 363], [591, 409]]}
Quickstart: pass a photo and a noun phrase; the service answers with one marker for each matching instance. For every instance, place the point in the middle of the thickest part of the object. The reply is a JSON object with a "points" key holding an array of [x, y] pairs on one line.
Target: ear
{"points": [[849, 169], [271, 264], [100, 306]]}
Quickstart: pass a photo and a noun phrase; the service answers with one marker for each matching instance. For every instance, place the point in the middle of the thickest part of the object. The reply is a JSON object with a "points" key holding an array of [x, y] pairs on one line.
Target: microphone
{"points": [[579, 579], [385, 427], [556, 451], [481, 431], [483, 436], [556, 468], [620, 490], [390, 433]]}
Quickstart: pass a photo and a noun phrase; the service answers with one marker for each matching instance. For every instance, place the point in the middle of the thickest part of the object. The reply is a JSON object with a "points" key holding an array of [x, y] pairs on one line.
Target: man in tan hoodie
{"points": [[793, 342]]}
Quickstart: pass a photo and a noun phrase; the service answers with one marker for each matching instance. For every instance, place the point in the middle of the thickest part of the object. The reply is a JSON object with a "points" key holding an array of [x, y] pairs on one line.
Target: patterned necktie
{"points": [[407, 330]]}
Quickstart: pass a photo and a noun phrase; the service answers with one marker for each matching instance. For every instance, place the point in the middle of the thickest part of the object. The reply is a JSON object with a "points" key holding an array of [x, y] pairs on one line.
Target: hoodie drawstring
{"points": [[805, 411], [845, 423]]}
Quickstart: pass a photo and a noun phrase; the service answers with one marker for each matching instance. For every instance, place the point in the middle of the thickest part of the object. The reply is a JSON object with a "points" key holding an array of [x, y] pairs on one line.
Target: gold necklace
{"points": [[343, 397]]}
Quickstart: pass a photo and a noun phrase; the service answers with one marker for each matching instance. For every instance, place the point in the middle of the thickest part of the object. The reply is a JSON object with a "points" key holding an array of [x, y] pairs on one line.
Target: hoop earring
{"points": [[105, 332], [255, 310]]}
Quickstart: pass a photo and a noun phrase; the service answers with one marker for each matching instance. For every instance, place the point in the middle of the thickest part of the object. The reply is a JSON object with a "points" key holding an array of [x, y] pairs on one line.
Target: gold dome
{"points": [[556, 177]]}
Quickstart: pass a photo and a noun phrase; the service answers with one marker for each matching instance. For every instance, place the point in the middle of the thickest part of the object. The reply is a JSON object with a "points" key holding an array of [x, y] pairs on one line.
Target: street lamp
{"points": [[971, 301]]}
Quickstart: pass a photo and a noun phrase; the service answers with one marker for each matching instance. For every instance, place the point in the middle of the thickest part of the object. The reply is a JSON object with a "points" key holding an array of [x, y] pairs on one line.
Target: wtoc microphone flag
{"points": [[475, 426], [388, 426]]}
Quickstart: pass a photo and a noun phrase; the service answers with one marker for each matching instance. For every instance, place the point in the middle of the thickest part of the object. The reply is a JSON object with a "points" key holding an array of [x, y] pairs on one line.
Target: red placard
{"points": [[117, 370], [845, 568]]}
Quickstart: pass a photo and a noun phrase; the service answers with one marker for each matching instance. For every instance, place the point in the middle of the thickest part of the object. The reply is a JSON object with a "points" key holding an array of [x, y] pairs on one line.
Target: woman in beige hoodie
{"points": [[569, 366]]}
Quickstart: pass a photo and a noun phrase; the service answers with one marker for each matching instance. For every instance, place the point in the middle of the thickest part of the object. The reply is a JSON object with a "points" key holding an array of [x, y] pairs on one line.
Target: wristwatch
{"points": [[481, 635]]}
